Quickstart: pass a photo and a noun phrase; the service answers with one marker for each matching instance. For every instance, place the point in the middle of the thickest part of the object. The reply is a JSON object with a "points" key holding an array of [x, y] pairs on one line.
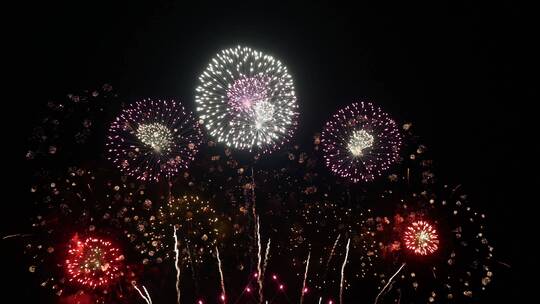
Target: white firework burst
{"points": [[246, 100]]}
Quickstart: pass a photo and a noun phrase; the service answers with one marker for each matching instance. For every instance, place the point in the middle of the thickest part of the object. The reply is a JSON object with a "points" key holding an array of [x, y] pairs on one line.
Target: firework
{"points": [[266, 256], [430, 235], [328, 219], [304, 286], [315, 211], [320, 227], [146, 296], [360, 142], [176, 264], [93, 262], [421, 238], [66, 131], [153, 139], [246, 100], [343, 272], [221, 280], [389, 282], [457, 269], [195, 224], [90, 204], [259, 257]]}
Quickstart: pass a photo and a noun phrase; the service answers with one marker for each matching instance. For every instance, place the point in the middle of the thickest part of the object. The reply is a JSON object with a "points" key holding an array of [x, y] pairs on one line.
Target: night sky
{"points": [[457, 71]]}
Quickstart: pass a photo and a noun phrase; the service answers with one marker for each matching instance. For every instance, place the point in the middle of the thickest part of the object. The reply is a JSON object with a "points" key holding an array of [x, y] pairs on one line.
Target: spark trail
{"points": [[303, 291], [259, 259], [333, 250], [266, 255], [146, 297], [223, 296], [389, 281], [176, 265], [343, 272]]}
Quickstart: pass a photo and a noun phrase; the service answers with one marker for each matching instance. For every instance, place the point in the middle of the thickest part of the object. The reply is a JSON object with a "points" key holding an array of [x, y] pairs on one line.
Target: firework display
{"points": [[360, 142], [153, 139], [379, 223], [247, 100]]}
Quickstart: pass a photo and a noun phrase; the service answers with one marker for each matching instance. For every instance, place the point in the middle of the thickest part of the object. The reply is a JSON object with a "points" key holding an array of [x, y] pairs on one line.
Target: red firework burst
{"points": [[421, 238], [93, 262]]}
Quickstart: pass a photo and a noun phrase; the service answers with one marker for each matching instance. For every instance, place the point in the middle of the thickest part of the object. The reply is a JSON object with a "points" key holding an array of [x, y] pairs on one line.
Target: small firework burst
{"points": [[153, 139], [69, 126], [360, 142], [421, 238], [93, 262], [246, 100], [197, 228]]}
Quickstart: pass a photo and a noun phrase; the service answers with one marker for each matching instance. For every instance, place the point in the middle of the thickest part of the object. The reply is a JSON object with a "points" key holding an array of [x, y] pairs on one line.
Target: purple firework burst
{"points": [[360, 142], [153, 139]]}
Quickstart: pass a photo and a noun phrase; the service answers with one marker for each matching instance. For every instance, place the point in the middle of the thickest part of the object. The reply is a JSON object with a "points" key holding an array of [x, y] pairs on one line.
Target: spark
{"points": [[193, 274], [266, 255], [220, 273], [146, 297], [389, 281], [147, 294], [15, 235], [304, 289], [259, 278], [504, 264], [333, 250], [176, 264], [343, 271]]}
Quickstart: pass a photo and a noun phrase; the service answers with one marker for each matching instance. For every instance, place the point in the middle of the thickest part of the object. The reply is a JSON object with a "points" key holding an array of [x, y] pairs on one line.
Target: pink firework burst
{"points": [[153, 139], [245, 93], [360, 142], [421, 238], [93, 262]]}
